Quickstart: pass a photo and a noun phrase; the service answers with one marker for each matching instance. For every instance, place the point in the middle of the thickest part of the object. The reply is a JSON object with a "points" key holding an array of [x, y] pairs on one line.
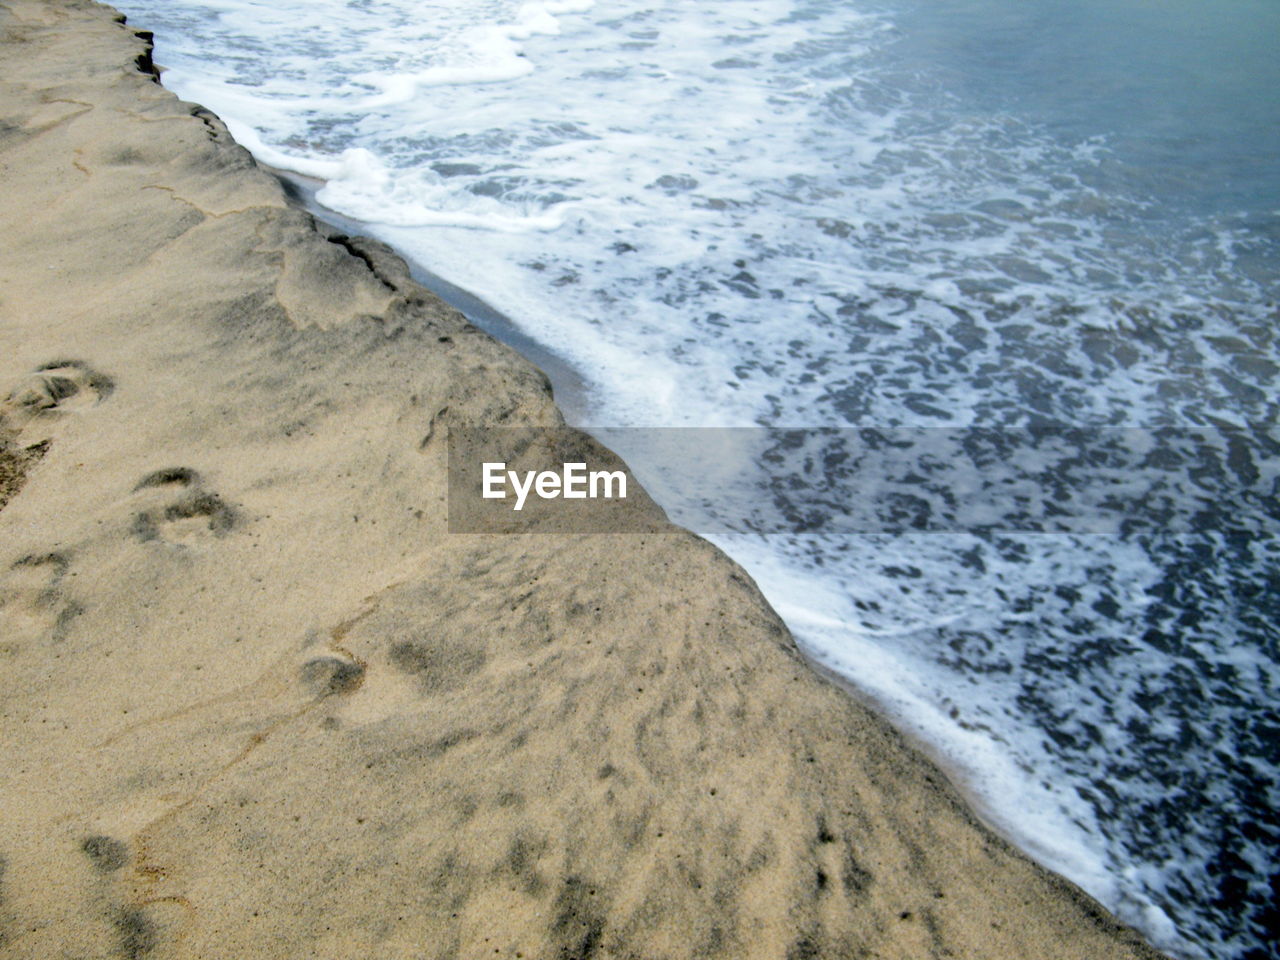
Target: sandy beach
{"points": [[258, 702]]}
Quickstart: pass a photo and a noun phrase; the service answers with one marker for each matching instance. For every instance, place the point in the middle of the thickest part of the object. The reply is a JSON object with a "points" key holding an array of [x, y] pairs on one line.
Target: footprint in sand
{"points": [[140, 927], [105, 853], [176, 508], [332, 675], [53, 390], [34, 606], [29, 411]]}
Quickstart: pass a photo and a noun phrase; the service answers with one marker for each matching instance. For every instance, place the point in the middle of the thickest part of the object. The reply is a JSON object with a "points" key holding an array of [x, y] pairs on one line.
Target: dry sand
{"points": [[257, 702]]}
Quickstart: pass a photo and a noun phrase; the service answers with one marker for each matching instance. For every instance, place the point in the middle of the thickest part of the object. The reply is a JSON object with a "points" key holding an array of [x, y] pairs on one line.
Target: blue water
{"points": [[811, 213], [1184, 92]]}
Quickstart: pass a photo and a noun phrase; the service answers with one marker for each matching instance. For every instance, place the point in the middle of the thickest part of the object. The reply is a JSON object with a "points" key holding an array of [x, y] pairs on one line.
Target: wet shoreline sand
{"points": [[259, 703]]}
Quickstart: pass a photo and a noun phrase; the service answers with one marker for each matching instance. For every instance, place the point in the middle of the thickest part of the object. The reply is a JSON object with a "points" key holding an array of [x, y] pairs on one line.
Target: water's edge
{"points": [[572, 397], [567, 382]]}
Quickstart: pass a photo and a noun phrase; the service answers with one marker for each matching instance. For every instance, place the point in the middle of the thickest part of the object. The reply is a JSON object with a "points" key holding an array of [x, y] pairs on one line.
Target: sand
{"points": [[258, 702]]}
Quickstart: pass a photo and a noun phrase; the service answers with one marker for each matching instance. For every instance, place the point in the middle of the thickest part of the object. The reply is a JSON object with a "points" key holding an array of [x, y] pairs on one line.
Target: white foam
{"points": [[488, 53]]}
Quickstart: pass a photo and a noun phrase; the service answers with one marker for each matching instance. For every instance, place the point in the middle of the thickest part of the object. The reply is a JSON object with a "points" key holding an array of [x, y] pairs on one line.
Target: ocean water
{"points": [[1005, 215]]}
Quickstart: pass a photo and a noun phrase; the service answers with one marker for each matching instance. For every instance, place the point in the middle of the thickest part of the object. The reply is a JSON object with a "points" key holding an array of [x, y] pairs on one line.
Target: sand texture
{"points": [[256, 702]]}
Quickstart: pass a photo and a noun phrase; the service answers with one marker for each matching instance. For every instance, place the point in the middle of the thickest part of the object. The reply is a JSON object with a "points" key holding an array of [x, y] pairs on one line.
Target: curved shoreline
{"points": [[571, 396], [260, 703], [568, 383]]}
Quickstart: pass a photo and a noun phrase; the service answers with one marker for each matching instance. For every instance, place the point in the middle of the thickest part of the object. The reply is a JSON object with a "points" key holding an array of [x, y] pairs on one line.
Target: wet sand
{"points": [[258, 702]]}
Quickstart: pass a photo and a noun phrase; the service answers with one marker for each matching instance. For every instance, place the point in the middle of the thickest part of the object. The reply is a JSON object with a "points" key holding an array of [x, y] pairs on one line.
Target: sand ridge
{"points": [[257, 702]]}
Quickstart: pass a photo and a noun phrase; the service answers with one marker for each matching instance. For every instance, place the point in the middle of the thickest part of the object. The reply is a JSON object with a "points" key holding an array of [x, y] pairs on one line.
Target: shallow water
{"points": [[936, 214]]}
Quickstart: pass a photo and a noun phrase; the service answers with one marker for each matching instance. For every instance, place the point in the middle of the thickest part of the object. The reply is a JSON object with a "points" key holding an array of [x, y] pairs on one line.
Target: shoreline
{"points": [[569, 386], [244, 658], [569, 392], [570, 395]]}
